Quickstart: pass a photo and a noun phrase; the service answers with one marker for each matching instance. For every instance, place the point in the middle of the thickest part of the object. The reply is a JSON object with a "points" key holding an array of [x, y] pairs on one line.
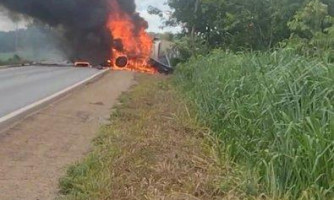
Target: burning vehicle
{"points": [[95, 31], [82, 64], [132, 45], [157, 60]]}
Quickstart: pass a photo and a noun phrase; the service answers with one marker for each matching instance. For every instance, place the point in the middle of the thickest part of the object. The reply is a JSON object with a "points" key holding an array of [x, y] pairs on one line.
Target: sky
{"points": [[154, 22], [7, 24]]}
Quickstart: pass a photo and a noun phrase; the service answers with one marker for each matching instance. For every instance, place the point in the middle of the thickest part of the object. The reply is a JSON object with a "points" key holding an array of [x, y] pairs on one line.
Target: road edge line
{"points": [[22, 112]]}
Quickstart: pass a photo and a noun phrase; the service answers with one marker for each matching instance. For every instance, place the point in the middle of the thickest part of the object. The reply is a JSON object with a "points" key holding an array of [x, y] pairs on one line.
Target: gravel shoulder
{"points": [[36, 152]]}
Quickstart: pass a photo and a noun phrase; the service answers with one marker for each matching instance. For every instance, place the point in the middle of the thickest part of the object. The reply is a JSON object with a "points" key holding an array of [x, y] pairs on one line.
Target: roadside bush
{"points": [[187, 48], [15, 59], [273, 113]]}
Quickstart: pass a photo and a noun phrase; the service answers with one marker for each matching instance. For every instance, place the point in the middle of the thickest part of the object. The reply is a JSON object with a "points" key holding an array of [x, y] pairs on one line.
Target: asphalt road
{"points": [[23, 86]]}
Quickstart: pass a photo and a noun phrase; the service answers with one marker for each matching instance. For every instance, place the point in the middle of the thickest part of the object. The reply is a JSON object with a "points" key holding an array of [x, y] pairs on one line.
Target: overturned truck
{"points": [[159, 60]]}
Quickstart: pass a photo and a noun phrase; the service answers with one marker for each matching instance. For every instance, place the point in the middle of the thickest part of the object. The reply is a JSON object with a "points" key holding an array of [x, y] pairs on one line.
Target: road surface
{"points": [[37, 151], [23, 86]]}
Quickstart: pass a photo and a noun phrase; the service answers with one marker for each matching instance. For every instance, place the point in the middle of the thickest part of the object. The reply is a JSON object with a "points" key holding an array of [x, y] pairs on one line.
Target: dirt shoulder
{"points": [[152, 149], [37, 151]]}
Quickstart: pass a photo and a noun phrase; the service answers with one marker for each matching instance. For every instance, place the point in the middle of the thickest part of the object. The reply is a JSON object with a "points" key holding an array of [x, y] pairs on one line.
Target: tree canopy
{"points": [[255, 25]]}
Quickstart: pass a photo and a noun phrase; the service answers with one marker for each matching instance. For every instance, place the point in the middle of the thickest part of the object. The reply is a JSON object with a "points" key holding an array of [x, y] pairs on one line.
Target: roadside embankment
{"points": [[230, 126], [273, 113], [151, 149]]}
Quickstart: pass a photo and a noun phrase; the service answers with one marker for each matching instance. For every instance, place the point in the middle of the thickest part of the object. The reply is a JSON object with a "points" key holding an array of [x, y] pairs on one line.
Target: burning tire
{"points": [[121, 61]]}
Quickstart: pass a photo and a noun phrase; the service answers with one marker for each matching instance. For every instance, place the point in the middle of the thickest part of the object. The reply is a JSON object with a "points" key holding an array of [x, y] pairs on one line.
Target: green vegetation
{"points": [[10, 59], [37, 42], [244, 25], [152, 149], [273, 113], [259, 77], [268, 91]]}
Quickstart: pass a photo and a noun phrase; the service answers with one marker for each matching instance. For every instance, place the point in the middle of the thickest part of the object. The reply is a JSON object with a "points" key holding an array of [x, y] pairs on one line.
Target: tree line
{"points": [[34, 36], [306, 25]]}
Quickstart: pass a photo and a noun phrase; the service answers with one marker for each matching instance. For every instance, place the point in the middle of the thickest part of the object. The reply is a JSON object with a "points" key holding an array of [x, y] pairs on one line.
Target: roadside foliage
{"points": [[272, 112], [152, 149], [243, 25], [260, 74]]}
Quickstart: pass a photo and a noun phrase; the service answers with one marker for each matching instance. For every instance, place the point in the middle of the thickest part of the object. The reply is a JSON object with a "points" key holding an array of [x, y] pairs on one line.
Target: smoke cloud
{"points": [[83, 23]]}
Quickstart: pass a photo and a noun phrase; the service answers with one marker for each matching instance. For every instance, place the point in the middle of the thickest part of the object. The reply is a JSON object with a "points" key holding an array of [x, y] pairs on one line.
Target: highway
{"points": [[22, 86]]}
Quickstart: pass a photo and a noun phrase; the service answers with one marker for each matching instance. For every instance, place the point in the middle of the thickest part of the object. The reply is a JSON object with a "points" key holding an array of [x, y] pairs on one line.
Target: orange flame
{"points": [[135, 41]]}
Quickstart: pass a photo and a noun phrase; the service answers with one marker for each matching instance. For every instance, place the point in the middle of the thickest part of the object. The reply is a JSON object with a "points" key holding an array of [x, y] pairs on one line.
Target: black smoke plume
{"points": [[83, 23]]}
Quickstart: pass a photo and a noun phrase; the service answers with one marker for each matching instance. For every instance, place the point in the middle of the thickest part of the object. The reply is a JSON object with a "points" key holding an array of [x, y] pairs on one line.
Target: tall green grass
{"points": [[273, 112]]}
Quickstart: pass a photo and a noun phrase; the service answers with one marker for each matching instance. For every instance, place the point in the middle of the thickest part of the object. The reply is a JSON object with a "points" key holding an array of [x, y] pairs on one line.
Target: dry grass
{"points": [[152, 149]]}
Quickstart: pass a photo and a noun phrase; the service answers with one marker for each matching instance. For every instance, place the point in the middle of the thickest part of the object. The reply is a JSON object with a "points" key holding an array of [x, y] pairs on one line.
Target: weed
{"points": [[273, 112], [152, 149]]}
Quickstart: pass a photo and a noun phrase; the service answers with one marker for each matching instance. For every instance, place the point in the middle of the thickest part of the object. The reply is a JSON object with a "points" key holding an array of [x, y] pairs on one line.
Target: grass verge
{"points": [[273, 113], [152, 149]]}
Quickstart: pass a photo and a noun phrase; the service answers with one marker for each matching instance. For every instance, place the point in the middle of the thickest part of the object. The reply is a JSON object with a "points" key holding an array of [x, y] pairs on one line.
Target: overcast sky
{"points": [[6, 24], [154, 21]]}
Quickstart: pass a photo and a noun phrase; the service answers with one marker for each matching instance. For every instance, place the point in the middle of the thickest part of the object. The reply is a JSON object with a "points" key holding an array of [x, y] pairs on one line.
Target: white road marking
{"points": [[47, 99]]}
